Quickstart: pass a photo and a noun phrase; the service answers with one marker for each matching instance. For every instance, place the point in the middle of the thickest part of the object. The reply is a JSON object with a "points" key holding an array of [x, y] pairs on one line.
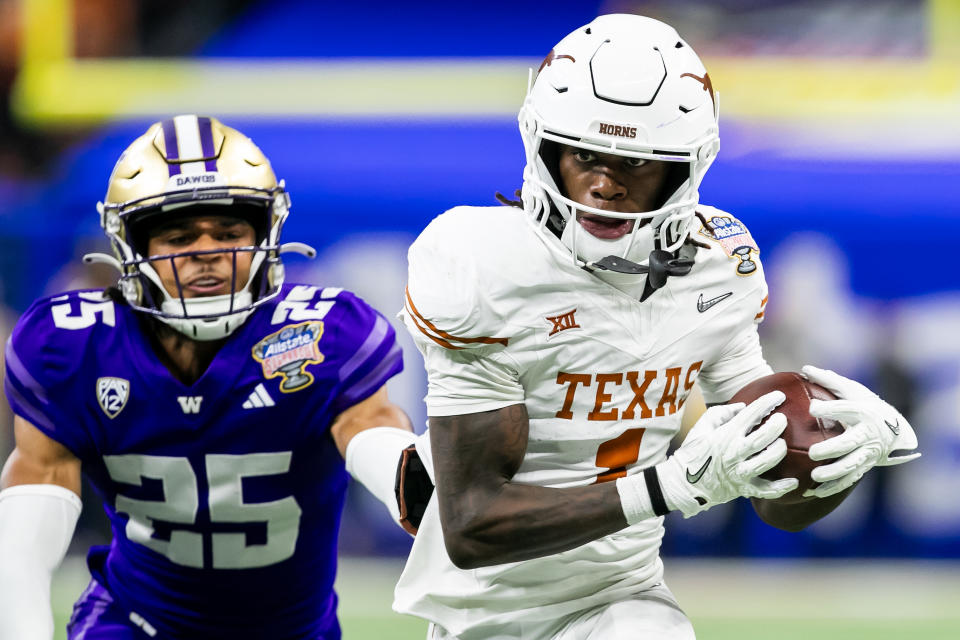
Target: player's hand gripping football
{"points": [[876, 434], [722, 457]]}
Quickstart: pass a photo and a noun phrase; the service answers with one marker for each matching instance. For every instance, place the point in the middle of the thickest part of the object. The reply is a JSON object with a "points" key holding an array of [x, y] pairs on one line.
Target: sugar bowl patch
{"points": [[287, 352], [735, 241]]}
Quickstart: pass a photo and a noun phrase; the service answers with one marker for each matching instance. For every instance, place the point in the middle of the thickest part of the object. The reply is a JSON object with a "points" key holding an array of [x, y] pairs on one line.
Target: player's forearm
{"points": [[486, 518], [520, 522]]}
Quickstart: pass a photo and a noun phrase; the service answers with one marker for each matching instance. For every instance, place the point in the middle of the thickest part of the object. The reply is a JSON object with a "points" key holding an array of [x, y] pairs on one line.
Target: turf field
{"points": [[727, 600]]}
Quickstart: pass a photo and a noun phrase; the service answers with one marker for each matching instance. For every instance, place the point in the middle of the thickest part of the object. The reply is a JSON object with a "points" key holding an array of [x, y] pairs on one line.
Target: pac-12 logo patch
{"points": [[112, 394], [288, 351]]}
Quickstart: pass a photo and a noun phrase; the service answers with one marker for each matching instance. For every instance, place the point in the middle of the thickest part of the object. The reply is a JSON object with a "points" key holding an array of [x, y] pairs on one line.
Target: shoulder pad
{"points": [[46, 353]]}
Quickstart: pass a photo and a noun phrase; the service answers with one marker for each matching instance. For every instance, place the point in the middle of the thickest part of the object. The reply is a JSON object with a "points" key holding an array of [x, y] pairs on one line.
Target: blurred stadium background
{"points": [[840, 128]]}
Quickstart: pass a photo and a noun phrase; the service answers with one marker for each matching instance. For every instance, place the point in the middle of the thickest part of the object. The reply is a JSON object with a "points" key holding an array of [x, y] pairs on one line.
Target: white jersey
{"points": [[502, 317]]}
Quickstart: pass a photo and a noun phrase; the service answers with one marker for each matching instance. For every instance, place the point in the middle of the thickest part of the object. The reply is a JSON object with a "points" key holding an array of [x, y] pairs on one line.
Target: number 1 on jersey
{"points": [[616, 454]]}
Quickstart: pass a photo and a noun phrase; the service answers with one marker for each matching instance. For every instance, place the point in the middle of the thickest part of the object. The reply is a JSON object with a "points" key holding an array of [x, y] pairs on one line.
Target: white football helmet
{"points": [[194, 165], [630, 86]]}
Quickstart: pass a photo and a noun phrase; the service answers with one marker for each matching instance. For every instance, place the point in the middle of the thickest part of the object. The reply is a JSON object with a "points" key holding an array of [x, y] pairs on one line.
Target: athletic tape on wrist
{"points": [[656, 493], [638, 501]]}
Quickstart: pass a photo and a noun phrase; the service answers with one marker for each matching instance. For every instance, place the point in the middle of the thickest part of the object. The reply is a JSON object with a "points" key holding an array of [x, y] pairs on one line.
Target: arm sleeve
{"points": [[36, 526]]}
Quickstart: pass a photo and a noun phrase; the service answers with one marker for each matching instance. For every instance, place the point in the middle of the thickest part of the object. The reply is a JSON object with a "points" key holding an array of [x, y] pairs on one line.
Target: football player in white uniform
{"points": [[562, 336]]}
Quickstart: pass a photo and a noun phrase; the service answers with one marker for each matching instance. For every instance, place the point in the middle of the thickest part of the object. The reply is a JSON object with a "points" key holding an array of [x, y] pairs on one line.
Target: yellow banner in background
{"points": [[895, 95]]}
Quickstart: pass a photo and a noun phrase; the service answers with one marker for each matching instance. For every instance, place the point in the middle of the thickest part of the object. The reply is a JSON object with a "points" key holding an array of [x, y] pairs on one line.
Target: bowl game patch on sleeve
{"points": [[730, 233]]}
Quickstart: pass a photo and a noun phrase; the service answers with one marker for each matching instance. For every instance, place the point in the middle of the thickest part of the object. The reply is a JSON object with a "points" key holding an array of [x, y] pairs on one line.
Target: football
{"points": [[802, 429]]}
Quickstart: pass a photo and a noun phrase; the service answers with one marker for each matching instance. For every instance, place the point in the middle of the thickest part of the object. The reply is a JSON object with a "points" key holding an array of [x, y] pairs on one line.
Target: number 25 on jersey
{"points": [[225, 474]]}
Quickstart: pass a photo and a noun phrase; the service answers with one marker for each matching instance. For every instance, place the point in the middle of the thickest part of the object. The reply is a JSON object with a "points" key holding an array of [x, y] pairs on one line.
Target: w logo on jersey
{"points": [[562, 322], [112, 394], [190, 404]]}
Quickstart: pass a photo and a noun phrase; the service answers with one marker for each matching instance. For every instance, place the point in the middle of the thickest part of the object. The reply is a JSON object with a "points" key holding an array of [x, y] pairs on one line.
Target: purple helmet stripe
{"points": [[206, 142], [170, 142]]}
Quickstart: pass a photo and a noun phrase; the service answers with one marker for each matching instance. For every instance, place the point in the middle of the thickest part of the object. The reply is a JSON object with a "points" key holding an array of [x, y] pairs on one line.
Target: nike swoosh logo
{"points": [[703, 305], [694, 478], [894, 427]]}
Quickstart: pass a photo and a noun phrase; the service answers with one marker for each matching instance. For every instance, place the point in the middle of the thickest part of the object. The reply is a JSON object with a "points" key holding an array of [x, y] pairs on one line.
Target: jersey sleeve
{"points": [[740, 362], [739, 359], [40, 362], [460, 382], [449, 312], [371, 353], [447, 299]]}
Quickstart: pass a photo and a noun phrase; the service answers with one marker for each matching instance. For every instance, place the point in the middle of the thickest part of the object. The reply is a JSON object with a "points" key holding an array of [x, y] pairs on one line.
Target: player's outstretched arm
{"points": [[487, 519], [371, 436], [39, 508]]}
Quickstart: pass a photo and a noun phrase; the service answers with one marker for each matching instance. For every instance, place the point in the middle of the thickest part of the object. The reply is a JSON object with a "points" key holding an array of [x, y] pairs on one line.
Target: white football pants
{"points": [[653, 614]]}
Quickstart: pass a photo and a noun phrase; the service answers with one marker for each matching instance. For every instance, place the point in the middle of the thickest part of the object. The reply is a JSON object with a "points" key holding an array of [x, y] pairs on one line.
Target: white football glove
{"points": [[875, 434], [721, 460]]}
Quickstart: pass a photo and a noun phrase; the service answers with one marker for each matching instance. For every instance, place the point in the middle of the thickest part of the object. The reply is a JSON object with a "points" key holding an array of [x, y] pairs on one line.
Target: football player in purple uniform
{"points": [[211, 406]]}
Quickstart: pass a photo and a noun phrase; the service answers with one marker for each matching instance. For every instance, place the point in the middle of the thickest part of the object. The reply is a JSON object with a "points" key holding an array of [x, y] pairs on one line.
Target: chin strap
{"points": [[662, 264]]}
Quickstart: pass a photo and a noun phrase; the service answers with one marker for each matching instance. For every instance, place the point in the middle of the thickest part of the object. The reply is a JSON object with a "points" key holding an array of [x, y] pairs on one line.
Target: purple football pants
{"points": [[97, 617]]}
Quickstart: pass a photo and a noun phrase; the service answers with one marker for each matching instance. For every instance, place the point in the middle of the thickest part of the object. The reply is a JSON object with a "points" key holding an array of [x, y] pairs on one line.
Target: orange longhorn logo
{"points": [[705, 81], [550, 58]]}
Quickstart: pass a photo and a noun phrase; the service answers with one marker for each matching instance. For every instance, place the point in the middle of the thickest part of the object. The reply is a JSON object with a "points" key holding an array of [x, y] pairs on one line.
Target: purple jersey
{"points": [[224, 496]]}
